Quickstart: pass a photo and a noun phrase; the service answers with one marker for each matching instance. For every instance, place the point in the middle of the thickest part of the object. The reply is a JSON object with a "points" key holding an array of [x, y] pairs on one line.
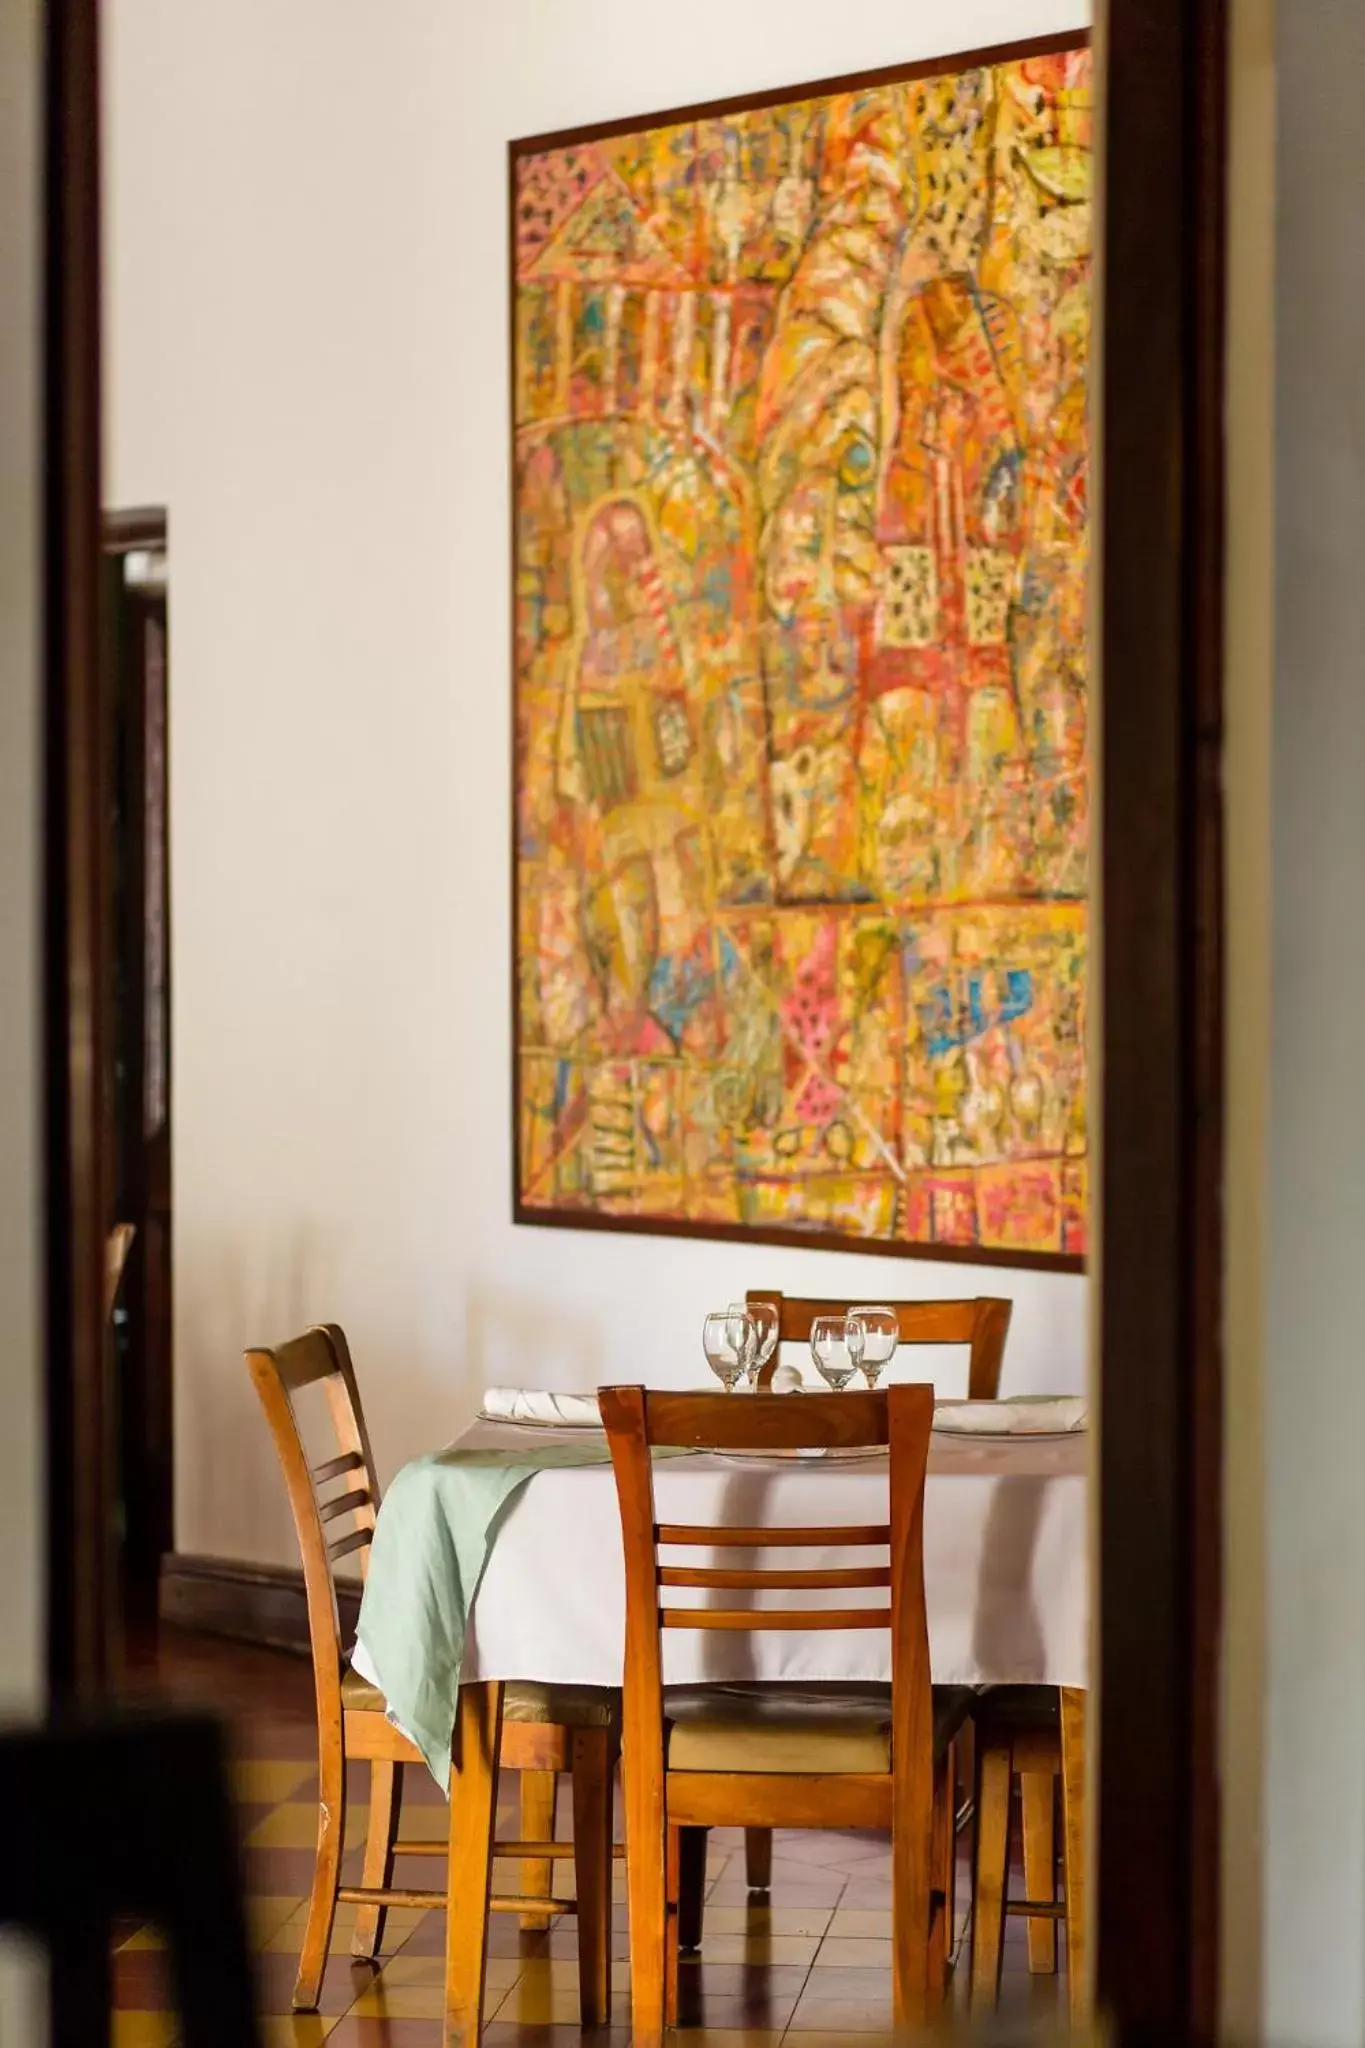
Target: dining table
{"points": [[535, 1589]]}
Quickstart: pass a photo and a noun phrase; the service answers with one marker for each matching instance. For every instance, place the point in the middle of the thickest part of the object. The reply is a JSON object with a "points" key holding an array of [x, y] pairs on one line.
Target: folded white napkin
{"points": [[535, 1405], [1021, 1415]]}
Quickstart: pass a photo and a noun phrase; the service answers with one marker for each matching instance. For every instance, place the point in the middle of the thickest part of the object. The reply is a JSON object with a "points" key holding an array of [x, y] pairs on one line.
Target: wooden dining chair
{"points": [[1035, 1734], [849, 1756], [981, 1322], [543, 1730]]}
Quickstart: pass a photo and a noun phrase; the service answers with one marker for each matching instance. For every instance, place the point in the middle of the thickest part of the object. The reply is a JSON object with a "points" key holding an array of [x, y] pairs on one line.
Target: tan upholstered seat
{"points": [[568, 1706], [563, 1706], [795, 1728]]}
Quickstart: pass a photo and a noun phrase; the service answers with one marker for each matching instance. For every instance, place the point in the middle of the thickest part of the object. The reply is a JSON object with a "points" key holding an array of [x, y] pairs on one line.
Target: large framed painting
{"points": [[799, 396]]}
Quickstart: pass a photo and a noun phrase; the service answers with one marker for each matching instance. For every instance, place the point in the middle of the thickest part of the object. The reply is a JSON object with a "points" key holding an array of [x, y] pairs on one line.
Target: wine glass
{"points": [[881, 1329], [836, 1345], [763, 1315], [730, 1342]]}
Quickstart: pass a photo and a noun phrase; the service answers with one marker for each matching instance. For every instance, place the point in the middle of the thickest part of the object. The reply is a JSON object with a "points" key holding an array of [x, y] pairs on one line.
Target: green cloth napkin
{"points": [[430, 1547]]}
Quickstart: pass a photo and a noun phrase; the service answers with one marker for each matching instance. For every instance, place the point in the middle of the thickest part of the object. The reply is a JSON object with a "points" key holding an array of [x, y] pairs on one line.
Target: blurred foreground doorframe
{"points": [[1161, 1234]]}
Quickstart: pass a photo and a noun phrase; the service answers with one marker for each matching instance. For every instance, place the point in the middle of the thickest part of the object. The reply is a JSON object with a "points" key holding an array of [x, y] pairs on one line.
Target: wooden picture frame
{"points": [[928, 1187]]}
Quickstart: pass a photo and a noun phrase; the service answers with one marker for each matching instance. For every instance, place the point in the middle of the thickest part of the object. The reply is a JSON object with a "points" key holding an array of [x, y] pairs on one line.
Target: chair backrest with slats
{"points": [[340, 1487], [901, 1417], [981, 1322]]}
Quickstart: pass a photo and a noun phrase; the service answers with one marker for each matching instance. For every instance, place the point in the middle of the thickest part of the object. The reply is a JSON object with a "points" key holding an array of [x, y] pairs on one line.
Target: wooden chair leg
{"points": [[1075, 1840], [538, 1799], [758, 1859], [1038, 1804], [322, 1903], [386, 1799], [691, 1886], [944, 1856], [473, 1807], [672, 1885], [594, 1763], [990, 1869], [646, 1893], [913, 1995]]}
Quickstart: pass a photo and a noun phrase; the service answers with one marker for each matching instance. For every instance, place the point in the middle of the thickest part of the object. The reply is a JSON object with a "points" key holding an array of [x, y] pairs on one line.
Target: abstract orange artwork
{"points": [[801, 533]]}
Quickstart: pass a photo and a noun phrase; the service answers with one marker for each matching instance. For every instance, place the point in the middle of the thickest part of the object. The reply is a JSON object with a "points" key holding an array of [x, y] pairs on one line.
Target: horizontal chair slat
{"points": [[710, 1536], [345, 1504], [502, 1904], [344, 1545], [764, 1421], [360, 1895], [332, 1468], [777, 1617], [761, 1581]]}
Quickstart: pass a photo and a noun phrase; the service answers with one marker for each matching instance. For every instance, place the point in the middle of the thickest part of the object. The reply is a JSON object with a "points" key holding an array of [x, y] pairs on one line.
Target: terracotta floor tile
{"points": [[256, 1783], [858, 1981], [508, 2034], [342, 1983], [354, 2031], [299, 2030], [755, 1917], [868, 2037], [399, 2002], [824, 1889], [294, 1825], [854, 1951], [758, 1947], [141, 1980], [543, 2005], [399, 1927], [867, 1893], [861, 1920], [839, 2017], [144, 2030]]}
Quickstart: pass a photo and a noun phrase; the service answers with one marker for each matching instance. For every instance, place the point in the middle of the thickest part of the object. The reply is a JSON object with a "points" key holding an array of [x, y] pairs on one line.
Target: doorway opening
{"points": [[135, 617]]}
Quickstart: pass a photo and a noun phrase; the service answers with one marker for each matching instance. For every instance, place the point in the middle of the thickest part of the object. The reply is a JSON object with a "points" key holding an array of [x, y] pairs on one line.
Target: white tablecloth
{"points": [[1005, 1543]]}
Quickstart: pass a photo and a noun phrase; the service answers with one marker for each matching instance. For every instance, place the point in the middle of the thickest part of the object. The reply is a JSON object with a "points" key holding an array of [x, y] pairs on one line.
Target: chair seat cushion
{"points": [[794, 1728], [564, 1706], [358, 1696], [561, 1706]]}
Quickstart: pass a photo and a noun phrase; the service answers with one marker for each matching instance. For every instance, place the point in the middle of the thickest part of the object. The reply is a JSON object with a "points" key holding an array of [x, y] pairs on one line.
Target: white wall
{"points": [[1315, 1353], [307, 360]]}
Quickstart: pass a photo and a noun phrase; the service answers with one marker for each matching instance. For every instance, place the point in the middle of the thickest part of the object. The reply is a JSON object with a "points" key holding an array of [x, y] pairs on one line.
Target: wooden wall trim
{"points": [[248, 1603]]}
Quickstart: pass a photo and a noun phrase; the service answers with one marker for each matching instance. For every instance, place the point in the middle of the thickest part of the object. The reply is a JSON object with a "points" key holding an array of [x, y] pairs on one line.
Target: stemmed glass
{"points": [[763, 1315], [836, 1345], [881, 1330], [730, 1340]]}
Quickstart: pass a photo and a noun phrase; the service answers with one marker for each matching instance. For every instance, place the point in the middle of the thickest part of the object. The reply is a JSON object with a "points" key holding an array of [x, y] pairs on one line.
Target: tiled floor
{"points": [[814, 1964]]}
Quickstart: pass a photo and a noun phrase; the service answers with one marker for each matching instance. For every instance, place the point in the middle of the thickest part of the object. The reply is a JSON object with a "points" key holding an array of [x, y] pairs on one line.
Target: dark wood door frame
{"points": [[1160, 1244], [82, 1591], [1161, 588]]}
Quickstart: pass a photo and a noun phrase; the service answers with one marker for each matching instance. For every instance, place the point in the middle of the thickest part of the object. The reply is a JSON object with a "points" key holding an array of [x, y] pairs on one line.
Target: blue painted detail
{"points": [[1018, 994], [676, 988]]}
